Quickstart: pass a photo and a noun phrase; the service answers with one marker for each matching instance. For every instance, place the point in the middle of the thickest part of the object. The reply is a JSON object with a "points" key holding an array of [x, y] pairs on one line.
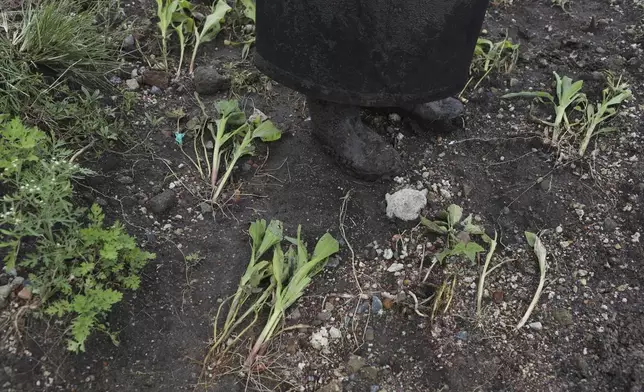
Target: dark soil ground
{"points": [[586, 334]]}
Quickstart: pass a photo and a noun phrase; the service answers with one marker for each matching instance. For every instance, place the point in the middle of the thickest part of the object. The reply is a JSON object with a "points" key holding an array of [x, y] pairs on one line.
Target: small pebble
{"points": [[536, 326]]}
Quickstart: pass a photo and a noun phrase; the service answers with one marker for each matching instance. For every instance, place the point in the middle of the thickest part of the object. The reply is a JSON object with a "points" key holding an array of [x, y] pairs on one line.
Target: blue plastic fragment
{"points": [[178, 137]]}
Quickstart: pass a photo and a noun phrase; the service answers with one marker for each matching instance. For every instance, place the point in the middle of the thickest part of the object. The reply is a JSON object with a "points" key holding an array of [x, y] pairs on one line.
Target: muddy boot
{"points": [[445, 110], [356, 147]]}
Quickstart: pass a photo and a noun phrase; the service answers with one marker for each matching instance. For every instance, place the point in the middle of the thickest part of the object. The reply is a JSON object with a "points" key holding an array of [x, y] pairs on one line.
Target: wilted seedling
{"points": [[247, 12], [540, 251], [568, 96], [594, 114], [450, 225]]}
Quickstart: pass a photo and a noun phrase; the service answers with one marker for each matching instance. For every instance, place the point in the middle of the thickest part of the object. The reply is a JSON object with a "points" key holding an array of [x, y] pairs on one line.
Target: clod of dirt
{"points": [[369, 373], [406, 204], [157, 78], [355, 363], [163, 201], [208, 81], [25, 293], [5, 291], [563, 317], [126, 180], [610, 224]]}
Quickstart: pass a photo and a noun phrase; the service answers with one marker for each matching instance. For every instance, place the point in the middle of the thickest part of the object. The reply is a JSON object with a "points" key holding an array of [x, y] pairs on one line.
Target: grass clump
{"points": [[77, 270], [490, 56]]}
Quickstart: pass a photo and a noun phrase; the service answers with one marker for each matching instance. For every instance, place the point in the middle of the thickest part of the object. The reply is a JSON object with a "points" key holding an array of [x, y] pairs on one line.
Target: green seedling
{"points": [[210, 28], [568, 95], [540, 251], [595, 114], [166, 9], [479, 295], [451, 226], [184, 25], [490, 56], [291, 274]]}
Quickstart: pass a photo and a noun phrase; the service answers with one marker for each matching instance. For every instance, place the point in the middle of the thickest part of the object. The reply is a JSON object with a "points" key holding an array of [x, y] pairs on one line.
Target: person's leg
{"points": [[357, 147], [444, 110]]}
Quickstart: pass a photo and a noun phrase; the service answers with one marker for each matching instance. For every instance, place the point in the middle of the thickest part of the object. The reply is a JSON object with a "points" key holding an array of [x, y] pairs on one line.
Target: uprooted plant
{"points": [[540, 251], [570, 101], [282, 280]]}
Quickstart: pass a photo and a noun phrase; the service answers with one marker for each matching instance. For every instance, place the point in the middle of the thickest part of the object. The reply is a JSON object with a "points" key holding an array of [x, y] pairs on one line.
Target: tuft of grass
{"points": [[490, 56]]}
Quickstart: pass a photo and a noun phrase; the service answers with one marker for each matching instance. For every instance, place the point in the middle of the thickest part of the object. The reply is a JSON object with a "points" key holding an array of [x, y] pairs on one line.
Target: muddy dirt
{"points": [[586, 333]]}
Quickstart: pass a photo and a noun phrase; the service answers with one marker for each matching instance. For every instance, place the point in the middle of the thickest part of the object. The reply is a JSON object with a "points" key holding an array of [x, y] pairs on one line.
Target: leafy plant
{"points": [[185, 28], [248, 11], [595, 114], [450, 225], [490, 56], [283, 279], [74, 268], [568, 95], [100, 262], [210, 28], [291, 274]]}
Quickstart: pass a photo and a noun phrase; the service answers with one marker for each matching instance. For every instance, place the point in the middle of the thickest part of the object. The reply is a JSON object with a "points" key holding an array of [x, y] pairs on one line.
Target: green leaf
{"points": [[433, 226], [212, 25], [454, 215], [226, 107], [326, 246], [256, 232], [272, 236], [267, 131], [531, 238], [249, 9]]}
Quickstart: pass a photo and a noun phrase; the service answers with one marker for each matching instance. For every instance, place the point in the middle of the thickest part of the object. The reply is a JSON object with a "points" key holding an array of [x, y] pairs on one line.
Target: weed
{"points": [[457, 243], [166, 9], [75, 269], [245, 10], [492, 56]]}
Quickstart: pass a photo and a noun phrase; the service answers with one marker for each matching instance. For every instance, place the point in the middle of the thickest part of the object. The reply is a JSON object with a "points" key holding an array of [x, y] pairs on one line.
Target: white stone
{"points": [[395, 267], [406, 204]]}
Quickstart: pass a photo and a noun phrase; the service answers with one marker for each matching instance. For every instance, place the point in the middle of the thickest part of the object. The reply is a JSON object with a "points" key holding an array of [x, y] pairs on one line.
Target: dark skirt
{"points": [[369, 52]]}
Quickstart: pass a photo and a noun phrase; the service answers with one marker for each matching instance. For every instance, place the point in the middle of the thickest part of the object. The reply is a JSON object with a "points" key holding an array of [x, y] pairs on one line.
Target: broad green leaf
{"points": [[272, 236], [454, 214], [278, 265], [326, 246], [267, 131], [226, 107], [256, 232], [433, 226], [531, 238], [249, 9], [212, 24]]}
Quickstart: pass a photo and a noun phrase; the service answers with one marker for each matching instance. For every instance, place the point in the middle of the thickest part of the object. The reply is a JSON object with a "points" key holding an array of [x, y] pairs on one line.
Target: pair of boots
{"points": [[357, 147]]}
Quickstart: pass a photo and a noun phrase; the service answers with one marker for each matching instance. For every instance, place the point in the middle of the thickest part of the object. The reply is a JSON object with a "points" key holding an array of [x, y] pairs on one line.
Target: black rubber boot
{"points": [[356, 147], [445, 110]]}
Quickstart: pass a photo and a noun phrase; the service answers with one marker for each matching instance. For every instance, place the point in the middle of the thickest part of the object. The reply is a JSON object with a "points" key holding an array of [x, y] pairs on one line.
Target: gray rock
{"points": [[467, 188], [355, 363], [369, 373], [406, 204], [5, 291], [369, 334], [333, 386], [115, 80], [610, 225], [126, 180], [333, 262], [208, 81], [563, 317], [129, 43], [4, 279], [376, 304], [536, 326], [324, 316], [132, 84], [155, 90], [295, 314], [163, 201], [17, 281], [205, 207], [514, 82]]}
